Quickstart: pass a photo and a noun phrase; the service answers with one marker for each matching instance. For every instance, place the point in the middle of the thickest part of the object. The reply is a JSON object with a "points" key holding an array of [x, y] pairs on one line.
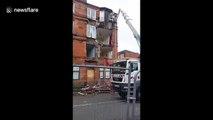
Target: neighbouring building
{"points": [[127, 54], [94, 41]]}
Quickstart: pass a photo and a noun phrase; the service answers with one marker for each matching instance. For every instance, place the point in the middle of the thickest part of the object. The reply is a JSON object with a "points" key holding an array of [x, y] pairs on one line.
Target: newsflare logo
{"points": [[25, 10], [9, 10]]}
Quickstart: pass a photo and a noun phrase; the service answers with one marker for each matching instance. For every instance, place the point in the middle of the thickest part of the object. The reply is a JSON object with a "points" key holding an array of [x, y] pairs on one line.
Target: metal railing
{"points": [[133, 97]]}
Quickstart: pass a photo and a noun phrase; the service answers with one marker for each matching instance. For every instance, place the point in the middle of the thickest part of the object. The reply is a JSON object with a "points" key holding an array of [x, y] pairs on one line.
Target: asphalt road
{"points": [[102, 107]]}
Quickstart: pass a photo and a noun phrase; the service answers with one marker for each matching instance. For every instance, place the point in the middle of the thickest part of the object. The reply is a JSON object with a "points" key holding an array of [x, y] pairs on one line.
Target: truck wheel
{"points": [[123, 95], [138, 94]]}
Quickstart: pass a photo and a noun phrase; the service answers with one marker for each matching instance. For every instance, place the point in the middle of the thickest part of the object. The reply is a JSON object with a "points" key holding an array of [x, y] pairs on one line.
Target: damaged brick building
{"points": [[94, 40]]}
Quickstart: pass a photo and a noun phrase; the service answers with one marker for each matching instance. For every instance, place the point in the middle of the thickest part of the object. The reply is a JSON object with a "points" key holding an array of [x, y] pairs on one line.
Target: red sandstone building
{"points": [[94, 40]]}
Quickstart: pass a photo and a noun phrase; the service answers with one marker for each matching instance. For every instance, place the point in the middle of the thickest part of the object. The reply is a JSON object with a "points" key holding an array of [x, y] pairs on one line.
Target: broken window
{"points": [[91, 31], [90, 50], [91, 13]]}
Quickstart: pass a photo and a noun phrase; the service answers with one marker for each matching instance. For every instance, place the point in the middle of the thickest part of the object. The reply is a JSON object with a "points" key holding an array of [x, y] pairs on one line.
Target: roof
{"points": [[126, 51], [89, 4], [128, 59]]}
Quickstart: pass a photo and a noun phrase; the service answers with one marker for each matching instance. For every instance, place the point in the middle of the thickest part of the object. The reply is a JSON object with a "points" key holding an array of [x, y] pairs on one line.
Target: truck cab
{"points": [[119, 80]]}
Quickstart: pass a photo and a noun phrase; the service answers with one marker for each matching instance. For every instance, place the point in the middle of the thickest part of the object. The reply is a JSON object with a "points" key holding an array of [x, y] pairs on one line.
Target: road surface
{"points": [[102, 107]]}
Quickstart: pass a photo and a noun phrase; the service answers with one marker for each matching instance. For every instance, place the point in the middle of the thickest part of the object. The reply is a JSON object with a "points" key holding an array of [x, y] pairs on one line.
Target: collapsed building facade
{"points": [[94, 41]]}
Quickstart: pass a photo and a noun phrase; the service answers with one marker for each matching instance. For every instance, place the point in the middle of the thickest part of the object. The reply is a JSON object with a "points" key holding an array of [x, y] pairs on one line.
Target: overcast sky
{"points": [[126, 40]]}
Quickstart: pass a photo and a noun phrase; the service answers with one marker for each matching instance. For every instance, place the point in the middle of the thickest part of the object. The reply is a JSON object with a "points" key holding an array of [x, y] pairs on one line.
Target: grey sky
{"points": [[126, 40]]}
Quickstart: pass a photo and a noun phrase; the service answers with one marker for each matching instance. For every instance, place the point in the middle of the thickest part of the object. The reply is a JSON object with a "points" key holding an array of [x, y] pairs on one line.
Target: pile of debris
{"points": [[94, 89]]}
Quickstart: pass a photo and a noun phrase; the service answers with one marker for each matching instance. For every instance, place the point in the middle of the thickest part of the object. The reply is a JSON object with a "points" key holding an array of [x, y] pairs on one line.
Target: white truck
{"points": [[119, 80]]}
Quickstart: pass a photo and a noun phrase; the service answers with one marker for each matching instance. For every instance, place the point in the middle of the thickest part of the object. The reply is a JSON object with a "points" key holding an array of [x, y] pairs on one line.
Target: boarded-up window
{"points": [[90, 75]]}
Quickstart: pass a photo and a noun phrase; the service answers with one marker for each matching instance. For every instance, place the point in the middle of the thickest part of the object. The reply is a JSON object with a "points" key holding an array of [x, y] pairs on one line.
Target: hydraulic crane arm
{"points": [[135, 33]]}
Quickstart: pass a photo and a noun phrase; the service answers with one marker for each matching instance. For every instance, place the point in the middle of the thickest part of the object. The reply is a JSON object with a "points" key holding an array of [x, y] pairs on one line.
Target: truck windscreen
{"points": [[119, 64]]}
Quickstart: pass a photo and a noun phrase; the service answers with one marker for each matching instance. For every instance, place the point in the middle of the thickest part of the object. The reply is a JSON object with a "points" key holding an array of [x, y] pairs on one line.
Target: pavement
{"points": [[102, 107]]}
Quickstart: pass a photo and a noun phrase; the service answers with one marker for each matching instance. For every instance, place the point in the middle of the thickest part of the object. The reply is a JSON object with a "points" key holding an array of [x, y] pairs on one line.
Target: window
{"points": [[73, 7], [91, 13], [111, 16], [122, 56], [101, 16], [134, 66], [107, 73], [90, 50], [101, 73], [119, 64], [91, 31], [110, 54], [76, 73]]}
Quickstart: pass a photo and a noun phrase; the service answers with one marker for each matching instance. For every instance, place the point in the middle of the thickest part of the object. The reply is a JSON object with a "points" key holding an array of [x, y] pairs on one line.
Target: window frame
{"points": [[92, 33], [101, 70], [76, 70], [132, 66], [101, 16], [91, 13], [107, 71]]}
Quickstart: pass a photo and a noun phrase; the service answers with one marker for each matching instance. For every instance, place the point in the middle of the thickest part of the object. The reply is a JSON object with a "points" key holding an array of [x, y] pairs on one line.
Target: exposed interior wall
{"points": [[106, 40]]}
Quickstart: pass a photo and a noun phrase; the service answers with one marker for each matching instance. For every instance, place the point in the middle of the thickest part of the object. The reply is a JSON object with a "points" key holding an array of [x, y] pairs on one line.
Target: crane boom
{"points": [[135, 33]]}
